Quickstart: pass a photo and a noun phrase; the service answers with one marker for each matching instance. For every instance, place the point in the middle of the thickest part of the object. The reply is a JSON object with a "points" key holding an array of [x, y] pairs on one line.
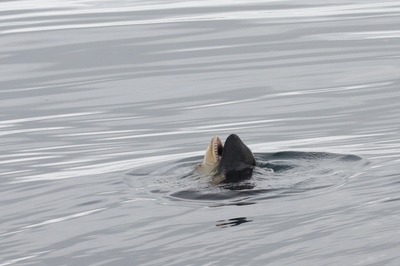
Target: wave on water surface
{"points": [[275, 175]]}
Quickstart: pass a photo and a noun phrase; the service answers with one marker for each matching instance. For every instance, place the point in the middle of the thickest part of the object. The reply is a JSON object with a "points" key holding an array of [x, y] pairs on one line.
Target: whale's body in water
{"points": [[229, 162]]}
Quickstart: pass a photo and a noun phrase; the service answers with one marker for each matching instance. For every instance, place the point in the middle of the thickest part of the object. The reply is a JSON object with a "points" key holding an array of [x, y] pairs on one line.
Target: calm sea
{"points": [[99, 98]]}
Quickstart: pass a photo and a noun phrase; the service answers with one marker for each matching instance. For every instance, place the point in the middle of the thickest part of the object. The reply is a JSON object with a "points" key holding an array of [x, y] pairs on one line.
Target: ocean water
{"points": [[107, 106]]}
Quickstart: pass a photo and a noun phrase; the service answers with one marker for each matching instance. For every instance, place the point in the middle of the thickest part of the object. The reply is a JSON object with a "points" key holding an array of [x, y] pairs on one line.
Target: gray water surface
{"points": [[91, 91]]}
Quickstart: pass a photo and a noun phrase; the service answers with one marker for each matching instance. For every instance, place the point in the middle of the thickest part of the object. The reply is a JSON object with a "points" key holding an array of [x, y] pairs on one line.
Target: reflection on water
{"points": [[90, 90], [232, 222]]}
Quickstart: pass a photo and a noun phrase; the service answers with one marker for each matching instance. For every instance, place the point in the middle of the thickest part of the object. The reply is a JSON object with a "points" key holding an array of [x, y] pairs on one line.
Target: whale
{"points": [[227, 162]]}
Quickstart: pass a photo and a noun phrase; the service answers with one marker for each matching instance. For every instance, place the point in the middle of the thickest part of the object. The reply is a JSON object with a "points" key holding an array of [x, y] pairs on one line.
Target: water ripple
{"points": [[321, 13], [61, 219], [91, 89]]}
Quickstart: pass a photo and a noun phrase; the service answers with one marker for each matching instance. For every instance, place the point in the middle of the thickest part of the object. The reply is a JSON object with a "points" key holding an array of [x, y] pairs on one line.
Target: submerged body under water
{"points": [[275, 175]]}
